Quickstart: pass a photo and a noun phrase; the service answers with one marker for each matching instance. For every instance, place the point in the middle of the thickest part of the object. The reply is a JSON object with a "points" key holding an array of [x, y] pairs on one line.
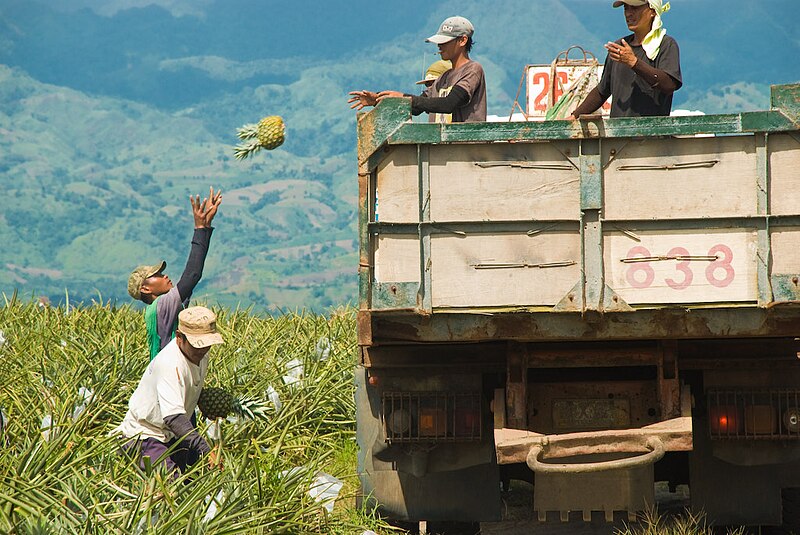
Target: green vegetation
{"points": [[78, 366], [66, 374], [687, 524]]}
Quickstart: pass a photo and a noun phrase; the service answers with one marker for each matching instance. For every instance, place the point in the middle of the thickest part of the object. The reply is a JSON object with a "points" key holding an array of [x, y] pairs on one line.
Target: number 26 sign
{"points": [[541, 87]]}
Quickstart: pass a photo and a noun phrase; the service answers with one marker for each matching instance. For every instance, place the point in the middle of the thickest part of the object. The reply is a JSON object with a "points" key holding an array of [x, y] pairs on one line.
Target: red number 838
{"points": [[642, 274]]}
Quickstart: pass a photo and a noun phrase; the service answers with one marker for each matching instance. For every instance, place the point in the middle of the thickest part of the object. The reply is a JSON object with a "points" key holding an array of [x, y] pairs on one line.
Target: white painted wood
{"points": [[457, 283], [397, 258], [468, 182], [728, 189], [785, 250], [785, 174], [397, 186], [665, 281]]}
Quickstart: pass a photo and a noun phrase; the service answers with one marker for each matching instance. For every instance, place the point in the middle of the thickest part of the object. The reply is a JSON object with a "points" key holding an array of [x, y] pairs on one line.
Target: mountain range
{"points": [[113, 112]]}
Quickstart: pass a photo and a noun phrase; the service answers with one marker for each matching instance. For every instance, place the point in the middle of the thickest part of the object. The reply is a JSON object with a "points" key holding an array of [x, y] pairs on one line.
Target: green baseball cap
{"points": [[140, 274]]}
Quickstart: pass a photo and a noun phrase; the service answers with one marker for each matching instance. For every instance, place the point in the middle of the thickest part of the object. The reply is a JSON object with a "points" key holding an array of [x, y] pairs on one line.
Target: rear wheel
{"points": [[440, 528], [791, 510], [454, 528]]}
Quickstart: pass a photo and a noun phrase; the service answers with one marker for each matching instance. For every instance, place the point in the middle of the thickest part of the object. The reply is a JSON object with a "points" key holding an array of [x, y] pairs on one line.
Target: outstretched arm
{"points": [[455, 99], [203, 212]]}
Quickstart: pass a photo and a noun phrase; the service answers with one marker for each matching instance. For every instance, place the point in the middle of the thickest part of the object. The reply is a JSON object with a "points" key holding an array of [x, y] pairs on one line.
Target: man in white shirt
{"points": [[159, 411]]}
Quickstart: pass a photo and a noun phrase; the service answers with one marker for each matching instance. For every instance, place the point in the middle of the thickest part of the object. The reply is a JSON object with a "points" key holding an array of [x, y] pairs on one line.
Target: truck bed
{"points": [[595, 229]]}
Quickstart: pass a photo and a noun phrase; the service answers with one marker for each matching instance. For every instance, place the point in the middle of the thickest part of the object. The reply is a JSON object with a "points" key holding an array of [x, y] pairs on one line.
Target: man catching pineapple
{"points": [[159, 411], [151, 285]]}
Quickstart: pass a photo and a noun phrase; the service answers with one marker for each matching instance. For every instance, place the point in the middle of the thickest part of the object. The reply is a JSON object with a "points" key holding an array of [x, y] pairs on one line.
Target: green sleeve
{"points": [[151, 323]]}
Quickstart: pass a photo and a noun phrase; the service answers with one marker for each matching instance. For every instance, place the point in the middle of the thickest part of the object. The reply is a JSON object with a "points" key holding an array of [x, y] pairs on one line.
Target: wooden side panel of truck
{"points": [[606, 302]]}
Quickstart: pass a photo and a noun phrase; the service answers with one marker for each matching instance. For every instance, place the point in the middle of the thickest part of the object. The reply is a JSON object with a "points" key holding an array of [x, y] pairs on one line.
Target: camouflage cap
{"points": [[138, 276], [199, 326]]}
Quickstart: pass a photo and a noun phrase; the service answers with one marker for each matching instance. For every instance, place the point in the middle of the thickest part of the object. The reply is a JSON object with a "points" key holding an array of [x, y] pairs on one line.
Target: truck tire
{"points": [[791, 510], [439, 528], [454, 528]]}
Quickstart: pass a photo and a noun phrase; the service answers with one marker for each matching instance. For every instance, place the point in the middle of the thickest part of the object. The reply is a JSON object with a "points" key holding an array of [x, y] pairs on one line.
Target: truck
{"points": [[598, 305]]}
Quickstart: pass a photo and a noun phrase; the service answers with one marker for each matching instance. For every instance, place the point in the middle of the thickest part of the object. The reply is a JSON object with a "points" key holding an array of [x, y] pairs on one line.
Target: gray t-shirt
{"points": [[633, 96], [169, 306], [470, 78]]}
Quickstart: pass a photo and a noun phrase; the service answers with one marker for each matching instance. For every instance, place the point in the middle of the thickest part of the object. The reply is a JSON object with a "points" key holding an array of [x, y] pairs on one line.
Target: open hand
{"points": [[205, 210], [360, 99], [621, 52]]}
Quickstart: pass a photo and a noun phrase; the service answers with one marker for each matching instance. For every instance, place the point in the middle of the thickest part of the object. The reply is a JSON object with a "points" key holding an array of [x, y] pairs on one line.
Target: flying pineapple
{"points": [[219, 403], [269, 133]]}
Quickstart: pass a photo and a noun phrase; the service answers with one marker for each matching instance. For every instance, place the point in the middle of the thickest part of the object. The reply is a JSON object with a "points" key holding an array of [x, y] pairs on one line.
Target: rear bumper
{"points": [[513, 445]]}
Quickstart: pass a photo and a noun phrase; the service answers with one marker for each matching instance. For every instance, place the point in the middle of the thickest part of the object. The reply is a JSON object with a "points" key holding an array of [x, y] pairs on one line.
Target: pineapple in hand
{"points": [[269, 133], [217, 403]]}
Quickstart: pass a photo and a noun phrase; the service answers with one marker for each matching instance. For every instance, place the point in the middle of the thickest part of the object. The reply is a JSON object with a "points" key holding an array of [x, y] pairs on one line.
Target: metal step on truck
{"points": [[607, 303]]}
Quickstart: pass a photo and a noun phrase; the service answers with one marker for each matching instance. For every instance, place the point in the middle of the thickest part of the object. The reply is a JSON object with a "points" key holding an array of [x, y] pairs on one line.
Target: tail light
{"points": [[725, 420], [754, 414], [432, 421], [399, 422], [760, 420], [432, 417], [467, 421]]}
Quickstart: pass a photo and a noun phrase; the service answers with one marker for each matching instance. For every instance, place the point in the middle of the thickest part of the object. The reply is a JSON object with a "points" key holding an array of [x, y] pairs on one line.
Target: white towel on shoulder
{"points": [[652, 41]]}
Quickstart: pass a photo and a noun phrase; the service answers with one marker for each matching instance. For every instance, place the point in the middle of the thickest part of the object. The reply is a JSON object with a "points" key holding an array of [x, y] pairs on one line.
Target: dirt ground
{"points": [[520, 518]]}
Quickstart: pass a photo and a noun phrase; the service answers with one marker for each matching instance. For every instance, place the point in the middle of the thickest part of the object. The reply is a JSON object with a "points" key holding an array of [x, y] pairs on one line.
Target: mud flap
{"points": [[439, 482]]}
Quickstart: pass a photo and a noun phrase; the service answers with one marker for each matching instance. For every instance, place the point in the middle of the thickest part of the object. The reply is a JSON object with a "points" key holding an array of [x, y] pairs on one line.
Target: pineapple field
{"points": [[288, 439], [279, 393]]}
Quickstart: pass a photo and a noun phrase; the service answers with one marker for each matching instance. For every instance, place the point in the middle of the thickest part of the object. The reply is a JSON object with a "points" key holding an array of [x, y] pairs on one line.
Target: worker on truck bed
{"points": [[642, 70], [435, 70], [459, 94]]}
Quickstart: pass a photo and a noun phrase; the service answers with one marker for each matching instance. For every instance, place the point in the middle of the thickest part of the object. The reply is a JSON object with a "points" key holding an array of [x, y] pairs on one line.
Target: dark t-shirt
{"points": [[633, 96], [471, 79]]}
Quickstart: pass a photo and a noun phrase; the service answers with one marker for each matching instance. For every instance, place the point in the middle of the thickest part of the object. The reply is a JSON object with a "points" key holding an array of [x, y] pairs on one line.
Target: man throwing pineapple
{"points": [[459, 94], [158, 417]]}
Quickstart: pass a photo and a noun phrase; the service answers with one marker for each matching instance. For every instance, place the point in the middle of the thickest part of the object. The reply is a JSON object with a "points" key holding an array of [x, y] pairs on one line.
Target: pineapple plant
{"points": [[269, 133]]}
